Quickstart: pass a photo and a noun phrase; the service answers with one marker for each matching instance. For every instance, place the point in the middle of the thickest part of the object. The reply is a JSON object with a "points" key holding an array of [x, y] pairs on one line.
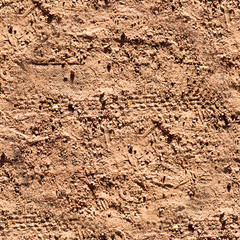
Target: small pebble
{"points": [[70, 106]]}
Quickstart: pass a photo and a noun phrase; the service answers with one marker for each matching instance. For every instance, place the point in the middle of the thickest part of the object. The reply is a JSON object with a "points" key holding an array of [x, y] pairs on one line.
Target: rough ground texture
{"points": [[119, 119]]}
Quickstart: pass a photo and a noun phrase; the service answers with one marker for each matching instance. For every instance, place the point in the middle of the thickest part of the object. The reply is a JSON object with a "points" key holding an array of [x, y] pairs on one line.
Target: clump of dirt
{"points": [[119, 119]]}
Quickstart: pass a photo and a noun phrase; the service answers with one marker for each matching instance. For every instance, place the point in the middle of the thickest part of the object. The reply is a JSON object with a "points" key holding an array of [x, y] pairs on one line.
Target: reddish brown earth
{"points": [[119, 119]]}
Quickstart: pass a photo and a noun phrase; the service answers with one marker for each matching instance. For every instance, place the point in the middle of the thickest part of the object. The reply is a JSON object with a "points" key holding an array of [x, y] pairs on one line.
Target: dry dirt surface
{"points": [[119, 120]]}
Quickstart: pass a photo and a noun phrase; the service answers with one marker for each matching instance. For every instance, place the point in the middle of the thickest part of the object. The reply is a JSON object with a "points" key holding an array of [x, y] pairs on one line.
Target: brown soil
{"points": [[119, 119]]}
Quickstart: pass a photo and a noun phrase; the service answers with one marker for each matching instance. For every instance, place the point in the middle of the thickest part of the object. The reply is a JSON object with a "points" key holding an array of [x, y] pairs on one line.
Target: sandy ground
{"points": [[119, 119]]}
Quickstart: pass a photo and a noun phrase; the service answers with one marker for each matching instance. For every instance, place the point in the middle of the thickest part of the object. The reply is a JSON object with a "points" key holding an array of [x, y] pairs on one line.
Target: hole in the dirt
{"points": [[109, 67], [50, 18], [233, 117], [170, 138], [130, 149], [10, 29], [72, 75]]}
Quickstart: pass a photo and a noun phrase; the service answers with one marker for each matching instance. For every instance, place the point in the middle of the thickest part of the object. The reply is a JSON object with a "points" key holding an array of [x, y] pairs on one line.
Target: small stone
{"points": [[109, 67], [191, 193], [175, 227], [10, 29], [227, 168], [57, 236], [55, 107], [130, 149], [190, 226], [71, 106], [3, 157], [229, 187], [101, 96], [72, 75], [221, 216], [123, 37]]}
